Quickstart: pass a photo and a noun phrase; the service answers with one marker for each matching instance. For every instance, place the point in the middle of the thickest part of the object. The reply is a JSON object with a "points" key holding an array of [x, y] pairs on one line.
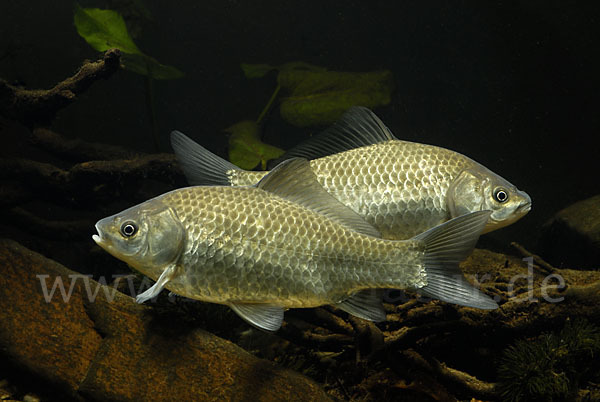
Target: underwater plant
{"points": [[106, 29], [317, 96], [551, 367], [246, 150]]}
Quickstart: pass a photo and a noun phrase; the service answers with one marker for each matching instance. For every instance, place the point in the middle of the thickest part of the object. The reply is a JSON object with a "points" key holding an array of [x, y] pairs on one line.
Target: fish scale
{"points": [[231, 242], [401, 188], [399, 199]]}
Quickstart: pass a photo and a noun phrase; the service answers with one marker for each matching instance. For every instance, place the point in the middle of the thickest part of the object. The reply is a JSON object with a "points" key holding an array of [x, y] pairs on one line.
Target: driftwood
{"points": [[88, 182], [103, 346], [39, 107], [76, 150]]}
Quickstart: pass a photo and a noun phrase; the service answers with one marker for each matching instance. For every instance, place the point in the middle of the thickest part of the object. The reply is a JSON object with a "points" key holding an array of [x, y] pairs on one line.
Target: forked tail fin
{"points": [[446, 246], [200, 166]]}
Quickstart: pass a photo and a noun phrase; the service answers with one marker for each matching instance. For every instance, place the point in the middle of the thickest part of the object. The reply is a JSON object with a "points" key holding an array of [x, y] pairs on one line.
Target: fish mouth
{"points": [[98, 237], [524, 208], [519, 212]]}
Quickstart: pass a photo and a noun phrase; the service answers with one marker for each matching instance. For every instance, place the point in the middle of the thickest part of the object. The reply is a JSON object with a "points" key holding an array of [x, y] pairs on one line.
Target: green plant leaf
{"points": [[149, 66], [321, 97], [260, 70], [300, 65], [246, 150], [104, 29], [256, 70]]}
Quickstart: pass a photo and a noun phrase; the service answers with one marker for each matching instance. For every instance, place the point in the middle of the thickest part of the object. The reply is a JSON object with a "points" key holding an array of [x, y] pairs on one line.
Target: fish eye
{"points": [[128, 229], [500, 195]]}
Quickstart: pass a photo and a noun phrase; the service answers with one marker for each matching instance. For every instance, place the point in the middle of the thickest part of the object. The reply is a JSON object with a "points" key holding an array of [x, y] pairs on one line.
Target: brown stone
{"points": [[111, 348], [572, 237]]}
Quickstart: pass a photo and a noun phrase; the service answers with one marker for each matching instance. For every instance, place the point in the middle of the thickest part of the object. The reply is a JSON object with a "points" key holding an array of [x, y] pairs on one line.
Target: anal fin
{"points": [[365, 304], [262, 316]]}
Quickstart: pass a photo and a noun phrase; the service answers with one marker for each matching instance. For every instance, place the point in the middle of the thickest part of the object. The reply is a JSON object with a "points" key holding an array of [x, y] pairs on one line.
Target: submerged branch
{"points": [[77, 150], [449, 377], [95, 180], [542, 264], [309, 338], [34, 107]]}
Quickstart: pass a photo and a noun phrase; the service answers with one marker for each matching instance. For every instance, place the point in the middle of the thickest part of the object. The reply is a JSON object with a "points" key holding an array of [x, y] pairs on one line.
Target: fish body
{"points": [[248, 247], [285, 243], [401, 188]]}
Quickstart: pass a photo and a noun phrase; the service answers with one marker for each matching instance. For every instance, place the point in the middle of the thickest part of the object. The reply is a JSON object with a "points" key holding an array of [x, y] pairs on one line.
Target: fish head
{"points": [[478, 189], [148, 236]]}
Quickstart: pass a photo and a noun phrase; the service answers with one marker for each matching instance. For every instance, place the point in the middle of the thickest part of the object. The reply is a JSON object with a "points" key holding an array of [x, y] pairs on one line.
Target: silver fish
{"points": [[285, 243], [401, 188]]}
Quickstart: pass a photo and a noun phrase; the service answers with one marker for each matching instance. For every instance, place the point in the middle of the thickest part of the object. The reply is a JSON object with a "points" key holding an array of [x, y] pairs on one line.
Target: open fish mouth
{"points": [[98, 237]]}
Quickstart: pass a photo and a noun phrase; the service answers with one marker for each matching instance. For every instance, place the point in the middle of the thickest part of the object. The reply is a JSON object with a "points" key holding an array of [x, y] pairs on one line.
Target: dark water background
{"points": [[512, 84]]}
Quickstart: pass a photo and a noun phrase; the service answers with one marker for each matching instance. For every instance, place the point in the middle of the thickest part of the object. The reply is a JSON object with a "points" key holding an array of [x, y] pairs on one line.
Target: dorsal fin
{"points": [[295, 181], [357, 128], [200, 166]]}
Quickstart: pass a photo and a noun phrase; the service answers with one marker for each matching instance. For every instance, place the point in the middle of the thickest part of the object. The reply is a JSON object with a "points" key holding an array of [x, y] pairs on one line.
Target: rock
{"points": [[572, 237], [110, 348]]}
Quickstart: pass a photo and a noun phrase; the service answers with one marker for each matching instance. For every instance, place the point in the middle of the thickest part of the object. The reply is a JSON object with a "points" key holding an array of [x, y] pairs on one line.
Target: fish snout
{"points": [[100, 237], [97, 237], [525, 205]]}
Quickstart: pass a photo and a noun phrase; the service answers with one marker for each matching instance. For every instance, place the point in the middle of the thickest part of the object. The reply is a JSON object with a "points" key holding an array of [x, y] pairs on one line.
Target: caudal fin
{"points": [[200, 166], [446, 246]]}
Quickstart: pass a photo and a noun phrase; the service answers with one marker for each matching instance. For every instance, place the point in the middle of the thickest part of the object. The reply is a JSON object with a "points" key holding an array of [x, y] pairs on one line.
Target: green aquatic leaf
{"points": [[321, 97], [256, 70], [246, 150], [300, 65], [104, 29], [149, 66], [260, 70]]}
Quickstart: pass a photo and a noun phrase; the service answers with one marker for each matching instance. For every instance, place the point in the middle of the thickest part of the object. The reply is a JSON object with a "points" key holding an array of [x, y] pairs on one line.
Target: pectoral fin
{"points": [[365, 304], [263, 316], [163, 279]]}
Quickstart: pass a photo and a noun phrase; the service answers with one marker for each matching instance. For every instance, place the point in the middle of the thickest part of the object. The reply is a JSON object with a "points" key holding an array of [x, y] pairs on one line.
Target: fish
{"points": [[401, 188], [285, 243]]}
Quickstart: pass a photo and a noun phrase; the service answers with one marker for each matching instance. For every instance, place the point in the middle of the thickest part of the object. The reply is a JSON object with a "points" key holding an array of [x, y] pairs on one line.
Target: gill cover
{"points": [[148, 236], [479, 189], [465, 194], [165, 238]]}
